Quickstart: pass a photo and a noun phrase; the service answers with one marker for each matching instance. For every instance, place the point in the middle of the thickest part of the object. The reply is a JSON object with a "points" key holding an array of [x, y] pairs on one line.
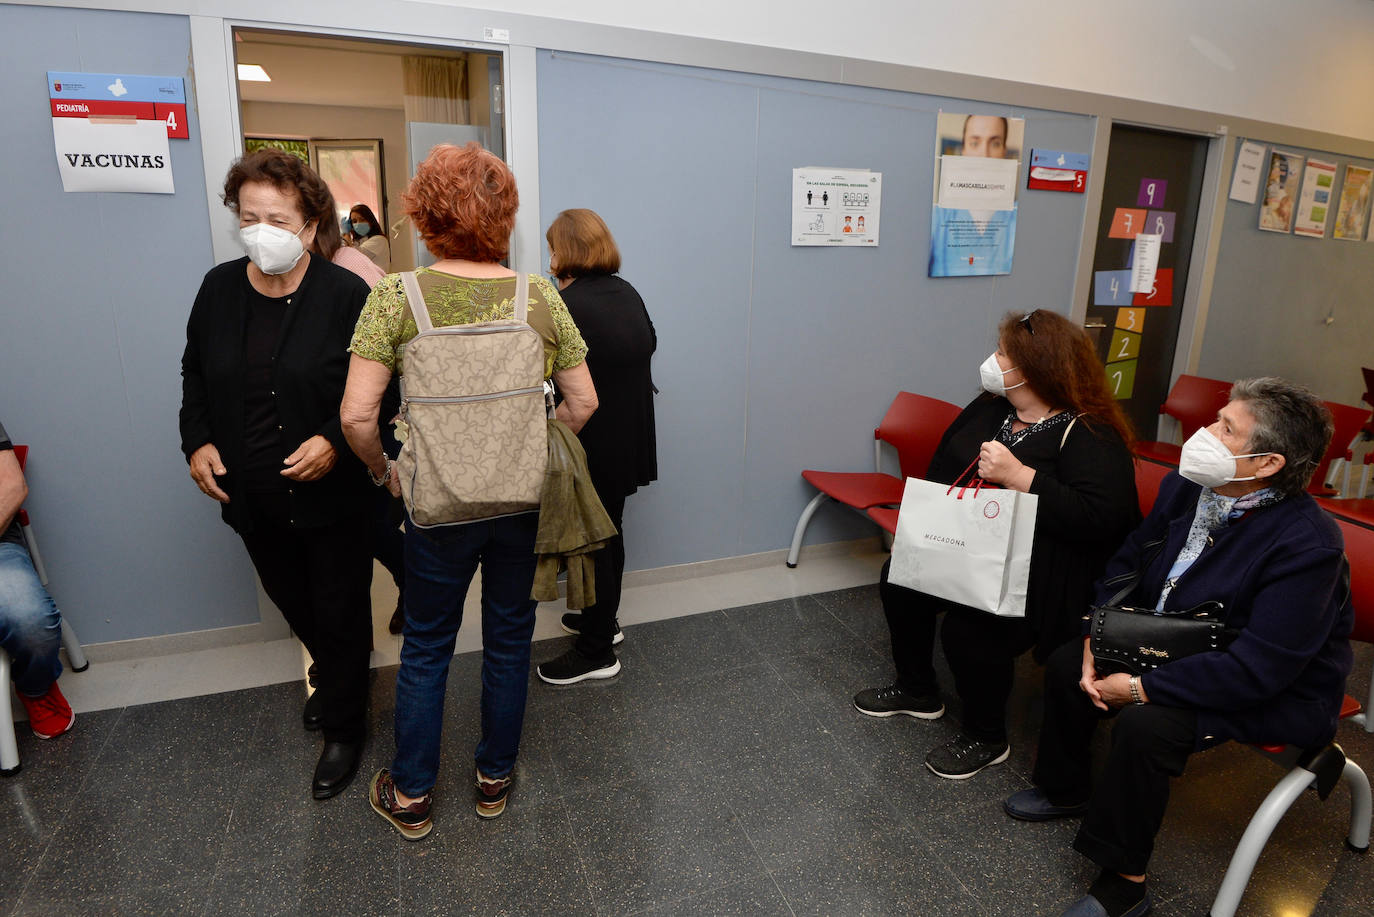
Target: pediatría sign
{"points": [[114, 144]]}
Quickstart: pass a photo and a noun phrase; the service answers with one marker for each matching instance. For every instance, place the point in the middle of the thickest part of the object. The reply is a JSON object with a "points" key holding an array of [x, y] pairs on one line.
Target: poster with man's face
{"points": [[973, 220]]}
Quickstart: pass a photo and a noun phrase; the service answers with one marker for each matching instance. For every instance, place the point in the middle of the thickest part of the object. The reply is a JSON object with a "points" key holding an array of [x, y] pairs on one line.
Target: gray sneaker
{"points": [[892, 700]]}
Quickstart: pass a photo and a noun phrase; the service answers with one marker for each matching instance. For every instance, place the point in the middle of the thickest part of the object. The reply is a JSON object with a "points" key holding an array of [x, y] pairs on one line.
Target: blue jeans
{"points": [[440, 564], [30, 626]]}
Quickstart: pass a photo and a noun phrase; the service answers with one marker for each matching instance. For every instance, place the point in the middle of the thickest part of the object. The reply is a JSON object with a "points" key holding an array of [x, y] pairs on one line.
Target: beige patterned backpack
{"points": [[472, 398]]}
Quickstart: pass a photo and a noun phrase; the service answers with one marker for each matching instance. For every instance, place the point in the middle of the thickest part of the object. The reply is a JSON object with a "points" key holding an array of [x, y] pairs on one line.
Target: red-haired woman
{"points": [[463, 203], [1046, 424]]}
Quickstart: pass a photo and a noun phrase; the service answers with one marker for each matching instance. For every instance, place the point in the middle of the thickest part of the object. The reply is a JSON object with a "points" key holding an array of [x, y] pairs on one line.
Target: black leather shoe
{"points": [[338, 763], [312, 717]]}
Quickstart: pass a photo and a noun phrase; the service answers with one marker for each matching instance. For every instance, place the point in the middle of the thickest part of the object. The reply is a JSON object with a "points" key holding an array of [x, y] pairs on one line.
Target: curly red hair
{"points": [[1059, 363], [463, 202]]}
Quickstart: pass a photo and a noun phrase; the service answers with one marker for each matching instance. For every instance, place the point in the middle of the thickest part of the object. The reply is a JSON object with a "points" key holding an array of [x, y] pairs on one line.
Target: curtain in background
{"points": [[436, 89]]}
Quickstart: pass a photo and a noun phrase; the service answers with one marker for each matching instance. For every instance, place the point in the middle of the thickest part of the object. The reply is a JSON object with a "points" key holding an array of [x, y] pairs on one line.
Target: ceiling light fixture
{"points": [[253, 73]]}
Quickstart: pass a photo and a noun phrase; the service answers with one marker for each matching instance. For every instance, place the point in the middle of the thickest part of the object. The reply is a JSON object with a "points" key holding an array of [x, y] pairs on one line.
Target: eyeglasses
{"points": [[1026, 322]]}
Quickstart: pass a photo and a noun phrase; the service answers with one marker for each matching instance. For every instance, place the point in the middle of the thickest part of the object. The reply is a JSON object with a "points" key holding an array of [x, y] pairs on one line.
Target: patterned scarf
{"points": [[1213, 512]]}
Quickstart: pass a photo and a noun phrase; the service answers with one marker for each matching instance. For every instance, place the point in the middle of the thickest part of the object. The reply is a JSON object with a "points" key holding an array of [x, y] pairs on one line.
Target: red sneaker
{"points": [[49, 715]]}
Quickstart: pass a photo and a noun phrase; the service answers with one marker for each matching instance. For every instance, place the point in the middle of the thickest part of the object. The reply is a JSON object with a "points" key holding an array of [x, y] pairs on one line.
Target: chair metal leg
{"points": [[1256, 835], [800, 532], [75, 655], [1360, 805], [9, 748]]}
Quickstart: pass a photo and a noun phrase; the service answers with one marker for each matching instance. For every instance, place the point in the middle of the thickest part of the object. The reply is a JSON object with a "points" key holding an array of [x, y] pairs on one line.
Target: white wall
{"points": [[1308, 64]]}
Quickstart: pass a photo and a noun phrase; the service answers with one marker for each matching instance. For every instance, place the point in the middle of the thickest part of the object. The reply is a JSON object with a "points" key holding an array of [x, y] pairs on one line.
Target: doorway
{"points": [[1153, 185], [363, 113]]}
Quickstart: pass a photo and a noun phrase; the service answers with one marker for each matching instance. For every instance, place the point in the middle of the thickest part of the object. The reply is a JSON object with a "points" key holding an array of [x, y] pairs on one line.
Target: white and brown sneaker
{"points": [[412, 821], [492, 793]]}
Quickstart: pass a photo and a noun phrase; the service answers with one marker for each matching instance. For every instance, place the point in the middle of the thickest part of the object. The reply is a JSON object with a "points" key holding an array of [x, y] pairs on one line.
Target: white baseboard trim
{"points": [[261, 632]]}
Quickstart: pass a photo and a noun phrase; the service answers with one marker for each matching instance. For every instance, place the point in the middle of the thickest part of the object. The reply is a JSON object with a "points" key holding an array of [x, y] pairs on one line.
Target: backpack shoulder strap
{"points": [[416, 300], [522, 296]]}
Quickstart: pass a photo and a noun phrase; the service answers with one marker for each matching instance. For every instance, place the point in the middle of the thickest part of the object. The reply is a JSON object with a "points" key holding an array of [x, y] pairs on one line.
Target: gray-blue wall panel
{"points": [[831, 334], [1273, 293], [99, 287]]}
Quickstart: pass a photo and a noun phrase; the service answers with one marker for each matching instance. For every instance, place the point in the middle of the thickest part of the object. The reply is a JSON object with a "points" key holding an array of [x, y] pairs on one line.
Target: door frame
{"points": [[217, 99], [1197, 292]]}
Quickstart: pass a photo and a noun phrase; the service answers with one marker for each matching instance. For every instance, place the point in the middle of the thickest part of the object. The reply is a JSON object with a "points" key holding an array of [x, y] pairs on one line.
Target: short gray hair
{"points": [[1289, 420]]}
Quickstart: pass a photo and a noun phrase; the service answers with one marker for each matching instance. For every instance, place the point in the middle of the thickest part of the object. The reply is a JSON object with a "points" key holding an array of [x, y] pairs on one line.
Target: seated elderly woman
{"points": [[1237, 527]]}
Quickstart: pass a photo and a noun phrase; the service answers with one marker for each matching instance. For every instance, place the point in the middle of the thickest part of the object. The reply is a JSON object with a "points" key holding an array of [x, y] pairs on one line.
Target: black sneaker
{"points": [[412, 821], [572, 667], [892, 700], [572, 624], [962, 757]]}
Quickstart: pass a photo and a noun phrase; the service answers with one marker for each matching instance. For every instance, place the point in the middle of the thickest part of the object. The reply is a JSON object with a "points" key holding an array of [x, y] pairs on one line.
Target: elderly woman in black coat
{"points": [[619, 439]]}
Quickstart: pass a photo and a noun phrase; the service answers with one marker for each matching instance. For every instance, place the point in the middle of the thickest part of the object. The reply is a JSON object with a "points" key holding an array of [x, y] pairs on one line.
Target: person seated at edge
{"points": [[30, 624], [371, 241], [261, 379], [463, 203], [1047, 425], [1237, 527], [619, 439]]}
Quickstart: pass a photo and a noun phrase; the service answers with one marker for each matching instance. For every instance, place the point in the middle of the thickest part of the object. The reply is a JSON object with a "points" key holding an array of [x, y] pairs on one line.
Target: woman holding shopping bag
{"points": [[1046, 424]]}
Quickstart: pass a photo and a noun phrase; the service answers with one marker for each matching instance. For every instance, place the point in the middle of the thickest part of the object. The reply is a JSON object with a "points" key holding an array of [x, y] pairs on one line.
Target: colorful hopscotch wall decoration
{"points": [[1124, 354], [1139, 284]]}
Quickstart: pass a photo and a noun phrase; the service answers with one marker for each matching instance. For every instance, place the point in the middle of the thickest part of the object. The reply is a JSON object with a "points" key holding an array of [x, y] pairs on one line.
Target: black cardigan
{"points": [[619, 438], [311, 365], [1087, 507]]}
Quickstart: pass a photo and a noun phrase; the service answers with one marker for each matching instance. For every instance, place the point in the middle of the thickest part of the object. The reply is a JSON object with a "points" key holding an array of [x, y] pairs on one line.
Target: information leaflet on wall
{"points": [[1246, 180], [973, 217], [1315, 201], [112, 154], [1353, 212], [835, 206]]}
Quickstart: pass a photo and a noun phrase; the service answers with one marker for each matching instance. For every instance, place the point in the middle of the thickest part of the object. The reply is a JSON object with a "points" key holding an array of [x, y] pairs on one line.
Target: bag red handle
{"points": [[975, 482]]}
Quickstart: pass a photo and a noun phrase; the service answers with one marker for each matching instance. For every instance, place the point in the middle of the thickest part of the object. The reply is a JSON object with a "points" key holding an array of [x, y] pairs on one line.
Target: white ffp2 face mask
{"points": [[991, 373], [1207, 461], [273, 249]]}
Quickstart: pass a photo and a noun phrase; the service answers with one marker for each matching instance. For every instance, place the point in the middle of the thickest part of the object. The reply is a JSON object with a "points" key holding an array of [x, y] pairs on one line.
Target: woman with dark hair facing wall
{"points": [[262, 377], [619, 438]]}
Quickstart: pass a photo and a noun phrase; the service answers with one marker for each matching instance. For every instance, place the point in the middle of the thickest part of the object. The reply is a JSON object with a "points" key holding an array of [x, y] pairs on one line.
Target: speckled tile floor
{"points": [[723, 772]]}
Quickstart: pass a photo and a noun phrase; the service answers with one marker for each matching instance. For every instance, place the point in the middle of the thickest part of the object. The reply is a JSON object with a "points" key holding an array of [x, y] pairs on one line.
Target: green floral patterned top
{"points": [[386, 323]]}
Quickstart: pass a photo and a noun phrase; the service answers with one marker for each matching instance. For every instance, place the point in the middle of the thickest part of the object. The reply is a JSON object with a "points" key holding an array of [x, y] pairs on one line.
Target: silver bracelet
{"points": [[1135, 690], [386, 475]]}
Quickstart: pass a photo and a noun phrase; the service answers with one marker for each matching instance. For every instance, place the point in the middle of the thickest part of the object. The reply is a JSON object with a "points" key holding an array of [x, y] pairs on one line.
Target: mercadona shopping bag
{"points": [[968, 543]]}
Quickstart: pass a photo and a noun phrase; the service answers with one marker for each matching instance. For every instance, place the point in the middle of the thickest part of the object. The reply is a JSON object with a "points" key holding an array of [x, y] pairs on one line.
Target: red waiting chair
{"points": [[1347, 422], [9, 747], [913, 426], [1148, 478], [1323, 767], [1193, 402]]}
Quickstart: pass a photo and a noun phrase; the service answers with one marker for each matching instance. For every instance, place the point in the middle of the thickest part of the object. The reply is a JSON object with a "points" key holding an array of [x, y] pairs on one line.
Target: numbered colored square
{"points": [[173, 114], [1151, 192], [1131, 320], [1125, 346], [1163, 292], [1121, 378], [1112, 288], [1160, 223], [1126, 223]]}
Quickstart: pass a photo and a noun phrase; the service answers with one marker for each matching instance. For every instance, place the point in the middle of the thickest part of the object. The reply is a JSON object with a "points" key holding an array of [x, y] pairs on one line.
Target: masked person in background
{"points": [[370, 238], [262, 377]]}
